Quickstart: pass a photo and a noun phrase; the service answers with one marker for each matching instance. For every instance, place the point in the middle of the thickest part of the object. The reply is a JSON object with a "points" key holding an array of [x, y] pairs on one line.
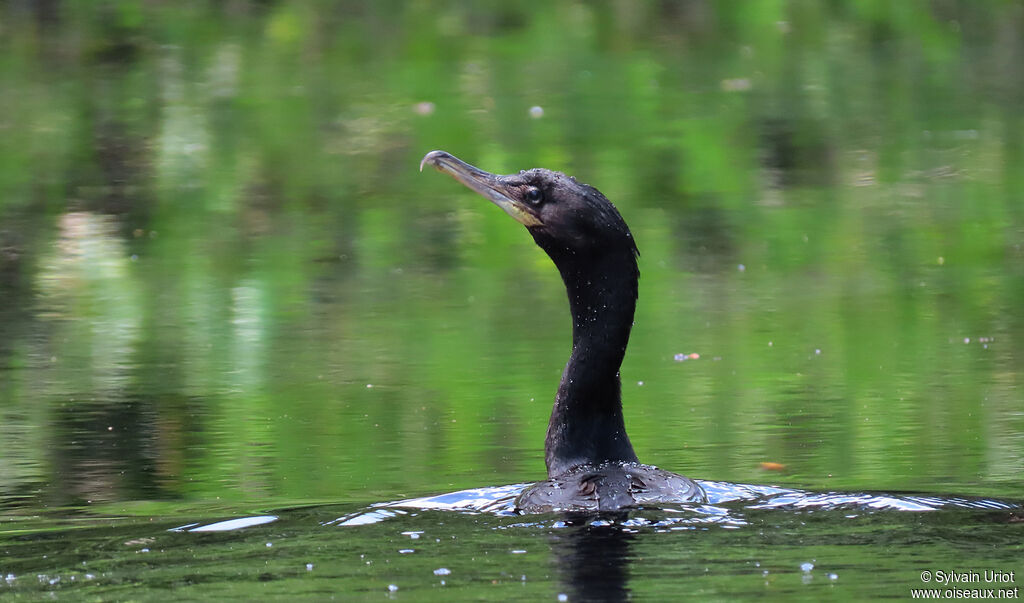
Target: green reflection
{"points": [[222, 278]]}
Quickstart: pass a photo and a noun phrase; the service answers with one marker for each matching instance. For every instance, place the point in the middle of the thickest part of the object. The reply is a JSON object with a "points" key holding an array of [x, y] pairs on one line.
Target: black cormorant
{"points": [[590, 461]]}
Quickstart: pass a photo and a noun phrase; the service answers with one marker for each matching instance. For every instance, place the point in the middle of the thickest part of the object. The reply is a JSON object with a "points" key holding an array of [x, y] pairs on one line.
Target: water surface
{"points": [[226, 291]]}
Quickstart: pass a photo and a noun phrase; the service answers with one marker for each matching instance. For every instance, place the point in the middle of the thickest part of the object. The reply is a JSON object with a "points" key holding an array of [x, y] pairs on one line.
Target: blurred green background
{"points": [[223, 279]]}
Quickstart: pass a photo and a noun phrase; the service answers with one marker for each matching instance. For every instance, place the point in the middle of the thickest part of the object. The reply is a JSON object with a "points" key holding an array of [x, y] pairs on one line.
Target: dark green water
{"points": [[225, 290], [854, 556]]}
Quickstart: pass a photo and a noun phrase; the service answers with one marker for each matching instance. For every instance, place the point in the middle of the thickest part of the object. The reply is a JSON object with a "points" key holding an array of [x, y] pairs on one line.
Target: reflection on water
{"points": [[809, 545], [501, 501], [227, 525], [594, 562], [593, 554], [223, 283], [220, 267]]}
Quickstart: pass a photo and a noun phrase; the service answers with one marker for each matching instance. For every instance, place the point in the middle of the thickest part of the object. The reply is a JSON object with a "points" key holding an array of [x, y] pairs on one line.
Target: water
{"points": [[227, 292], [470, 544]]}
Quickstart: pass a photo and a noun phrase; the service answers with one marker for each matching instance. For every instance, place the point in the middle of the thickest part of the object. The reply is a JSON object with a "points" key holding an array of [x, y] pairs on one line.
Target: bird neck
{"points": [[587, 425]]}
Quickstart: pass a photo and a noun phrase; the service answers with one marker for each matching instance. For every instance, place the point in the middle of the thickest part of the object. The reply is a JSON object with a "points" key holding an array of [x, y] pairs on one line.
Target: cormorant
{"points": [[590, 460]]}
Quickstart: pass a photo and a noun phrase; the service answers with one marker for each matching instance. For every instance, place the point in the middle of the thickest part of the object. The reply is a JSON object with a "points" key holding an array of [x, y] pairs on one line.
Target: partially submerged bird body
{"points": [[590, 460], [610, 486]]}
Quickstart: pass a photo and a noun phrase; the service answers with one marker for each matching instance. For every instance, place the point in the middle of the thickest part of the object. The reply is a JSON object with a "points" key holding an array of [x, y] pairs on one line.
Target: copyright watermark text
{"points": [[967, 584]]}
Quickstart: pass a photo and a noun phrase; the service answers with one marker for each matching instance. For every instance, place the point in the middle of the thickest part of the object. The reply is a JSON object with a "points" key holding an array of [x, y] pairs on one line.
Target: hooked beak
{"points": [[489, 185]]}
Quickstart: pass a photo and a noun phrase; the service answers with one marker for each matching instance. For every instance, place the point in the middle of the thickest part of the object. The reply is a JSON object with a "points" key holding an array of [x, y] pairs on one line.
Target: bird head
{"points": [[566, 218]]}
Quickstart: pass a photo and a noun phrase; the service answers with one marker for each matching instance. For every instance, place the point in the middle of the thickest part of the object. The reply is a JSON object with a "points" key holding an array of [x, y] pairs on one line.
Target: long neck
{"points": [[586, 423]]}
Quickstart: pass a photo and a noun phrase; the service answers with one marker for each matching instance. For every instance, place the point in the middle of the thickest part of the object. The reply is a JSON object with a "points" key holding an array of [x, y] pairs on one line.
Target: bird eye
{"points": [[534, 196]]}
